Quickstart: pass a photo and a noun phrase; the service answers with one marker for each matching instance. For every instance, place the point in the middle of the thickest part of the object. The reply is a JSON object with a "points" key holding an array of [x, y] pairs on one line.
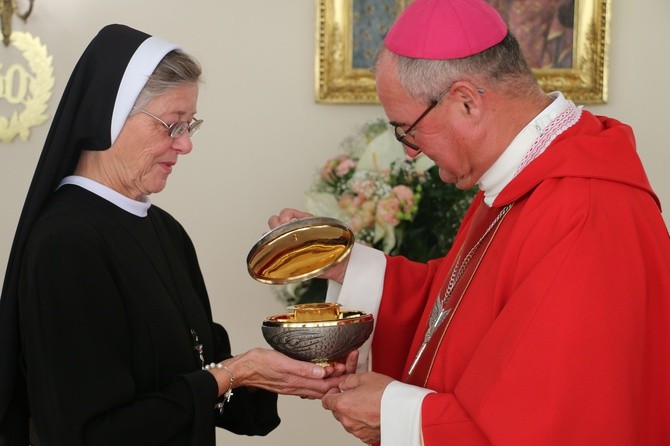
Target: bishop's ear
{"points": [[469, 96]]}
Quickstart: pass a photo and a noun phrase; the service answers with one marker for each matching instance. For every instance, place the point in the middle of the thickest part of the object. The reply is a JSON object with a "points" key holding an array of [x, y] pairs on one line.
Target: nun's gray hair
{"points": [[176, 69]]}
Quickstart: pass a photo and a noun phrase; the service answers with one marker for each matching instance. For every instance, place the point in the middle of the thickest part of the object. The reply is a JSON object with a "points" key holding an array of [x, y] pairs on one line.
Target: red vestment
{"points": [[563, 336]]}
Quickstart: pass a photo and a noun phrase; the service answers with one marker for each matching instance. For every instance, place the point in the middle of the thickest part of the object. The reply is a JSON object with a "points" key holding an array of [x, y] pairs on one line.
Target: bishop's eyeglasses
{"points": [[401, 135]]}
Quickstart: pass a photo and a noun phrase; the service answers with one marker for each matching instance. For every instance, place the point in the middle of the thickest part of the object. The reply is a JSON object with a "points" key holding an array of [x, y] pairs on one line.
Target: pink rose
{"points": [[346, 203], [337, 167], [345, 166], [405, 196], [387, 211]]}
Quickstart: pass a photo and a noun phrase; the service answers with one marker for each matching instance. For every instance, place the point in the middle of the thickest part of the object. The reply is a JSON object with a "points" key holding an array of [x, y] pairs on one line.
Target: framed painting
{"points": [[565, 41]]}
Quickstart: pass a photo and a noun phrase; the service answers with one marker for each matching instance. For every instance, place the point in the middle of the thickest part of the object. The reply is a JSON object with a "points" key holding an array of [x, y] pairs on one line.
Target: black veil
{"points": [[95, 103]]}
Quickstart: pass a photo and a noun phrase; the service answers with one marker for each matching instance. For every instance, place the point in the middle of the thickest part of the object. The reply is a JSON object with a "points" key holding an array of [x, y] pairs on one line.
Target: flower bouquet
{"points": [[390, 202]]}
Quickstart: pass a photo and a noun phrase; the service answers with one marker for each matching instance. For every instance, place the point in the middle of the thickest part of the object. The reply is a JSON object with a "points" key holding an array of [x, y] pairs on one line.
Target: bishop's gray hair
{"points": [[502, 66]]}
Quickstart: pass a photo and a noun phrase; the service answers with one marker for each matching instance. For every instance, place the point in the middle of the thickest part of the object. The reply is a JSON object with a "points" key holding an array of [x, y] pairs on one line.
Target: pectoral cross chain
{"points": [[439, 313]]}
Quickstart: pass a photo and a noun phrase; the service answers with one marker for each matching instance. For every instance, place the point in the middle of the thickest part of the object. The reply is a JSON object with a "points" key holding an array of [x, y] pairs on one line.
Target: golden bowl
{"points": [[321, 341], [294, 252]]}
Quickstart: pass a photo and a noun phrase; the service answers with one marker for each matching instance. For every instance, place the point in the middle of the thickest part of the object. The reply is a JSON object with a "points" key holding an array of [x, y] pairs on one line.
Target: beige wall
{"points": [[264, 137]]}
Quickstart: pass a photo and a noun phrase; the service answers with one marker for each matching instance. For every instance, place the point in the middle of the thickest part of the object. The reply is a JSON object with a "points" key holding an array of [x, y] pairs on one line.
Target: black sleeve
{"points": [[250, 411]]}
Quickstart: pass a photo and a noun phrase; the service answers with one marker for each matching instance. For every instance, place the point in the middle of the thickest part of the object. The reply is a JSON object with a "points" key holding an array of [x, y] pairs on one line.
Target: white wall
{"points": [[264, 137]]}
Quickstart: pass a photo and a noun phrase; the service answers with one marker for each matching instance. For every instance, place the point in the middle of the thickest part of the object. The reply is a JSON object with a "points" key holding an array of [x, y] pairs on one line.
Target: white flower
{"points": [[380, 153], [324, 204], [422, 163]]}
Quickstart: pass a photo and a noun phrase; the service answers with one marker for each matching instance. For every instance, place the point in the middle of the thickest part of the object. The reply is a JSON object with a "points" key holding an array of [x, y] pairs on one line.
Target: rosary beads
{"points": [[229, 392]]}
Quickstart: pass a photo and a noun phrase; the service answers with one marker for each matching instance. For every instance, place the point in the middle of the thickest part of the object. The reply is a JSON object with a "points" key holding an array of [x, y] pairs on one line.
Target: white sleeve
{"points": [[401, 414], [361, 289]]}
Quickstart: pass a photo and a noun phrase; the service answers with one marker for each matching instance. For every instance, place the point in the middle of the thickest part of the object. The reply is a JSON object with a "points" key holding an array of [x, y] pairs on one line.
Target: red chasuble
{"points": [[563, 335]]}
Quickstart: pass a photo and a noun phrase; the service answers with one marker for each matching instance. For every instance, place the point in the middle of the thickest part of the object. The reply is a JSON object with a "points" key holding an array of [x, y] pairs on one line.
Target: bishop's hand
{"points": [[356, 404]]}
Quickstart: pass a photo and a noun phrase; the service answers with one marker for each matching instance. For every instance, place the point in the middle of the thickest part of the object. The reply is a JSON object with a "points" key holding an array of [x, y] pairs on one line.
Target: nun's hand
{"points": [[270, 370]]}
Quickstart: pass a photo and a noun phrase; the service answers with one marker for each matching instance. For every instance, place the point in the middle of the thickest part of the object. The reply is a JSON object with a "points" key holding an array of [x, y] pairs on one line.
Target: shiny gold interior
{"points": [[295, 253]]}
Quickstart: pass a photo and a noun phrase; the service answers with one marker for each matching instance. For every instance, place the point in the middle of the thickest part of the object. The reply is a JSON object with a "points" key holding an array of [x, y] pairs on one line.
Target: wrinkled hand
{"points": [[270, 370], [356, 404], [286, 215]]}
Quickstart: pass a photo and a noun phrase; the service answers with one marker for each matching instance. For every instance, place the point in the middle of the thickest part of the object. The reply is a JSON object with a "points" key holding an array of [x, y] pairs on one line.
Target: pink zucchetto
{"points": [[445, 29]]}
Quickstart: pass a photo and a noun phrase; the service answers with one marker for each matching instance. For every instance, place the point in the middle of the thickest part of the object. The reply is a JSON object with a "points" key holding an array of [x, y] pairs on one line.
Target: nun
{"points": [[106, 330]]}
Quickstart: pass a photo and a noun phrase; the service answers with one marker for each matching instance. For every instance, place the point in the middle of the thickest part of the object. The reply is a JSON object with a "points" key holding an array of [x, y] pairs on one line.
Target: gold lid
{"points": [[299, 250]]}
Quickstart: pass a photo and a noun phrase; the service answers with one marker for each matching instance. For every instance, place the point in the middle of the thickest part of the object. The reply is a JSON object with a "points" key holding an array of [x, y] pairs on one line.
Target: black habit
{"points": [[99, 307]]}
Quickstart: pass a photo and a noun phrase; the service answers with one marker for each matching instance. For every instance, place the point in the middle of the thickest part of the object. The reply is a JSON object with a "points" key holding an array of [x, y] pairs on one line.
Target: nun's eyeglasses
{"points": [[177, 128]]}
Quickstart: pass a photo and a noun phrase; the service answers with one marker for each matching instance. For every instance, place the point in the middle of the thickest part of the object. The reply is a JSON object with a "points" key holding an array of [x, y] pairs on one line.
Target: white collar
{"points": [[135, 207], [507, 165]]}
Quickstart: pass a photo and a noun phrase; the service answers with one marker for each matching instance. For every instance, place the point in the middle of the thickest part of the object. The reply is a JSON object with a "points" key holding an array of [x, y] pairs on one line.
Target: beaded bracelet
{"points": [[229, 392]]}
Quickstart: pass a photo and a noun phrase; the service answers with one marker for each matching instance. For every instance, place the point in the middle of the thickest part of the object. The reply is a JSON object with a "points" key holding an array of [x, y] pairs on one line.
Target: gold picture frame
{"points": [[340, 80]]}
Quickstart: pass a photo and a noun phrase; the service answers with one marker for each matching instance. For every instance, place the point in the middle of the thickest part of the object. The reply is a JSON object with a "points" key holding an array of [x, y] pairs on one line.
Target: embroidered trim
{"points": [[564, 121]]}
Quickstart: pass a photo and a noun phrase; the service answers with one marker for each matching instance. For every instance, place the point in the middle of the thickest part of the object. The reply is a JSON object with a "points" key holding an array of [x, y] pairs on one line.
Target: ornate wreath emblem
{"points": [[33, 91]]}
